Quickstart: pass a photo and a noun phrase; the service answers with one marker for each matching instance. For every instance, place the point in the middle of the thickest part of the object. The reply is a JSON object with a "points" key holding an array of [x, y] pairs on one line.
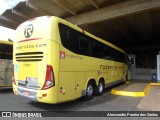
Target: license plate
{"points": [[26, 93]]}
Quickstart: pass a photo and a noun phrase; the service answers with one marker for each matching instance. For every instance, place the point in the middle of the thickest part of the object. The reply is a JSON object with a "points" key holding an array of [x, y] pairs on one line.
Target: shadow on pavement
{"points": [[6, 90], [78, 104]]}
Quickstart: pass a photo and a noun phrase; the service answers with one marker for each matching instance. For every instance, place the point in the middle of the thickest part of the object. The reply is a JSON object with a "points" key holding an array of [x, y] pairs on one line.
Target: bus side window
{"points": [[69, 37], [83, 45], [97, 50], [113, 54], [63, 34], [124, 58], [107, 53], [117, 56], [73, 39], [6, 51], [6, 56]]}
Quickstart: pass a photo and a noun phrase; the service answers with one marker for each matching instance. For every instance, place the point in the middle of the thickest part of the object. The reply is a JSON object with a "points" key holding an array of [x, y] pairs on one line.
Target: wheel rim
{"points": [[89, 90], [100, 87]]}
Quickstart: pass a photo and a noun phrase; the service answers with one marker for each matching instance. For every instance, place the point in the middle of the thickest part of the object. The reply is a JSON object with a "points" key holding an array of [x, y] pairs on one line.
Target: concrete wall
{"points": [[142, 74]]}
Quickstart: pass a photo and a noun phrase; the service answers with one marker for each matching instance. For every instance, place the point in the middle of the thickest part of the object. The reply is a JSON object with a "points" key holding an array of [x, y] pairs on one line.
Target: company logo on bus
{"points": [[28, 31]]}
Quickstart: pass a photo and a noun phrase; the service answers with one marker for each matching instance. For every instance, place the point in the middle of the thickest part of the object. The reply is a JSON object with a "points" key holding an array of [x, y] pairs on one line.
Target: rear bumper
{"points": [[32, 93], [44, 96]]}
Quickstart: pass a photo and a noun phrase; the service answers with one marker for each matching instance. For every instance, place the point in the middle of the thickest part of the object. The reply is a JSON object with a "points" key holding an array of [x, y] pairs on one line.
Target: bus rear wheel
{"points": [[100, 88], [89, 91]]}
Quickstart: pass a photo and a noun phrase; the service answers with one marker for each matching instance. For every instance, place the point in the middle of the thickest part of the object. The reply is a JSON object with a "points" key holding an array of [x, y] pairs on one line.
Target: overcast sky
{"points": [[6, 33]]}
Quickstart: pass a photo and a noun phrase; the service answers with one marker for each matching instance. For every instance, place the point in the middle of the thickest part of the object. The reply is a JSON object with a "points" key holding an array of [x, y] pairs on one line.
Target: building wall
{"points": [[142, 73]]}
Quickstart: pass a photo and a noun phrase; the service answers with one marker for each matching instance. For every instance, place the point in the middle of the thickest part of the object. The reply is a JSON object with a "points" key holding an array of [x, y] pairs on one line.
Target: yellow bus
{"points": [[56, 61], [6, 50]]}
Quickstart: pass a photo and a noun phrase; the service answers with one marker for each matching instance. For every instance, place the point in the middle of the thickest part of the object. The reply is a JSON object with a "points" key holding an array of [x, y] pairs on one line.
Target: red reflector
{"points": [[44, 95]]}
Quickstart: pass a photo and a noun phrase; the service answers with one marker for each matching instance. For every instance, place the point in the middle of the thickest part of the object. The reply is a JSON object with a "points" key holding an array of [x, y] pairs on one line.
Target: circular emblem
{"points": [[28, 31]]}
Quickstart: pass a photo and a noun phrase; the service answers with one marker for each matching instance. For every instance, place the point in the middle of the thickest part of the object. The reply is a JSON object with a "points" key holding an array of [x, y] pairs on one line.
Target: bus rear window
{"points": [[6, 51]]}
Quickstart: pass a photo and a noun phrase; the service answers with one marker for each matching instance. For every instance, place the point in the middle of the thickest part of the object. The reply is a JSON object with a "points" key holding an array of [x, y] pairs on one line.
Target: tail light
{"points": [[13, 79], [49, 81]]}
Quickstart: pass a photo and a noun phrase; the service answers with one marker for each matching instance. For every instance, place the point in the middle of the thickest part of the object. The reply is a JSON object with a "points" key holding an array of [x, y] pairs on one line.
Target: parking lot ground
{"points": [[151, 100], [105, 102]]}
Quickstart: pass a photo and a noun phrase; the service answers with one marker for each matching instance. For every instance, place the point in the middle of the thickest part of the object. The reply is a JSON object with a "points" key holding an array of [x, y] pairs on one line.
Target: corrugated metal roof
{"points": [[7, 4], [125, 23]]}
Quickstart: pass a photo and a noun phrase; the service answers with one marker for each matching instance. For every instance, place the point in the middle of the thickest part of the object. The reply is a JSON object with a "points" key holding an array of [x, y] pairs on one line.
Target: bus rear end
{"points": [[6, 49], [35, 68]]}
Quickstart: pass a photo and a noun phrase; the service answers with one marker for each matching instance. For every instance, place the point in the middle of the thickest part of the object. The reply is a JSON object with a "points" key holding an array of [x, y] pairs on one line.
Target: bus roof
{"points": [[60, 20], [6, 42]]}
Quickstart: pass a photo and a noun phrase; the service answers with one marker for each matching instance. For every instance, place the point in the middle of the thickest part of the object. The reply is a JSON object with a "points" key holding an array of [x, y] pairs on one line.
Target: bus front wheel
{"points": [[89, 91]]}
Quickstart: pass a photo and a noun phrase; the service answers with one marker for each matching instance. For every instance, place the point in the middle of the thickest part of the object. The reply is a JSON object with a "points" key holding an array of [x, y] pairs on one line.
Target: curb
{"points": [[134, 94]]}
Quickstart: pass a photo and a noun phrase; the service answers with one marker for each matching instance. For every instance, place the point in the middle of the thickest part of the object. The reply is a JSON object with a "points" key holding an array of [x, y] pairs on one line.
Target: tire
{"points": [[89, 92], [99, 88]]}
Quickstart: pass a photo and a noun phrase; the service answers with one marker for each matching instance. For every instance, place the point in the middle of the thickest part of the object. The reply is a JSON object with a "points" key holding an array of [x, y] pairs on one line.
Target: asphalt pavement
{"points": [[105, 102]]}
